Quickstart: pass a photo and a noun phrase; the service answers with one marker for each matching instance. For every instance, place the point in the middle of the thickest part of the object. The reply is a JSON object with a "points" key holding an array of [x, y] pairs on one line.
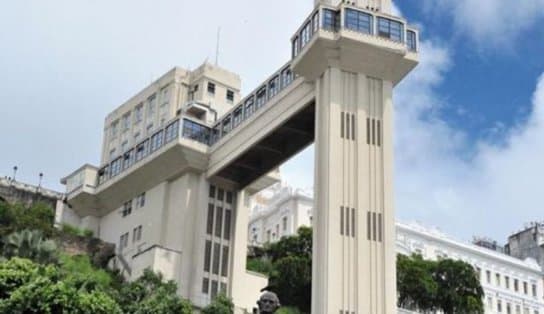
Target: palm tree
{"points": [[30, 244]]}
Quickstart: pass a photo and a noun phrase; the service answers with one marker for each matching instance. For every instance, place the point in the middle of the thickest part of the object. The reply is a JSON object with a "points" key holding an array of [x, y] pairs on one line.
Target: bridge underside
{"points": [[284, 142]]}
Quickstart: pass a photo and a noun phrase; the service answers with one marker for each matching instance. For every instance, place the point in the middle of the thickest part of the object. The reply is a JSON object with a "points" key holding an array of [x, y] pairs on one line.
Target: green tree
{"points": [[151, 294], [17, 217], [299, 245], [459, 290], [28, 288], [220, 305], [416, 286], [32, 245]]}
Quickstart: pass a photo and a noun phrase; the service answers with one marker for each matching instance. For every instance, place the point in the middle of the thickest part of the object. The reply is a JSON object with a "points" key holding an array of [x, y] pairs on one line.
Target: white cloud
{"points": [[490, 22], [494, 192]]}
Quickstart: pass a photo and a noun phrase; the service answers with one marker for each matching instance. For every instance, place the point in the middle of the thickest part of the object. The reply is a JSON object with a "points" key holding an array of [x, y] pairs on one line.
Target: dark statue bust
{"points": [[268, 303]]}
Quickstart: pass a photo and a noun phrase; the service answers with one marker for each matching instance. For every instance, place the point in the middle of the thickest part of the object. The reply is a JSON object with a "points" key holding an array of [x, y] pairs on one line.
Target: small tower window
{"points": [[211, 88], [230, 96]]}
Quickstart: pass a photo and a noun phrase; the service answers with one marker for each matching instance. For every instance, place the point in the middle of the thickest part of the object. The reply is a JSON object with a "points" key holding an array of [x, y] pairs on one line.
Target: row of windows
{"points": [[136, 237], [215, 288], [211, 90], [143, 149], [515, 286], [219, 262], [373, 132], [374, 226], [354, 20], [221, 223], [251, 104], [137, 116], [347, 223], [139, 202], [508, 307], [195, 131]]}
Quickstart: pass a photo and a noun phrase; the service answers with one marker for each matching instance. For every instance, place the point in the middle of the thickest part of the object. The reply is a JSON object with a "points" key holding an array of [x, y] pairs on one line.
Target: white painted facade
{"points": [[510, 285], [196, 152]]}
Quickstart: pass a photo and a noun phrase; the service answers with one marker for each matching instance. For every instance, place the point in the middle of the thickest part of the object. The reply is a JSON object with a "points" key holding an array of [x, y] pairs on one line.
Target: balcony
{"points": [[354, 39]]}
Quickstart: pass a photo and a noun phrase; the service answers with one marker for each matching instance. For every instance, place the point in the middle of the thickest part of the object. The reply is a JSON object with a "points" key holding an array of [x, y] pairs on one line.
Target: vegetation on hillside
{"points": [[37, 276]]}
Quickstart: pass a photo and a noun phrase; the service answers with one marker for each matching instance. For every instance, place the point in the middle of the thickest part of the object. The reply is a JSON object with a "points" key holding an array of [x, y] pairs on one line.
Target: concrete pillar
{"points": [[353, 253]]}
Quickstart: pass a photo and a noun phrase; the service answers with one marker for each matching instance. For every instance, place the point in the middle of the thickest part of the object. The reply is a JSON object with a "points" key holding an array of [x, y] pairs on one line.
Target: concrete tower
{"points": [[355, 60]]}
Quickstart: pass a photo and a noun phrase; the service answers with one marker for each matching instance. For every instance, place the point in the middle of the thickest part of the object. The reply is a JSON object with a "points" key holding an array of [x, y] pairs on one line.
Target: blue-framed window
{"points": [[296, 46], [390, 29], [411, 40], [226, 125], [273, 86], [331, 20], [238, 116], [359, 21], [171, 131], [195, 131], [305, 35], [286, 77], [261, 97]]}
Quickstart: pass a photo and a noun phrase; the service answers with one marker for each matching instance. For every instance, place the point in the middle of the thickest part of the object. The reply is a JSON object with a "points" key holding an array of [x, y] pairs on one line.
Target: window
{"points": [[331, 20], [226, 229], [498, 279], [226, 125], [137, 234], [137, 137], [112, 153], [499, 306], [114, 128], [151, 104], [315, 22], [229, 197], [488, 276], [490, 302], [534, 290], [211, 88], [149, 128], [141, 150], [165, 95], [261, 97], [525, 288], [212, 191], [127, 208], [411, 40], [126, 121], [216, 258], [220, 194], [123, 241], [214, 289], [156, 141], [195, 131], [127, 159], [284, 224], [116, 167], [390, 29], [508, 308], [140, 200], [286, 77], [268, 232], [207, 256], [237, 116], [273, 87], [209, 222], [250, 108], [138, 113], [305, 35], [205, 285], [225, 261], [171, 131], [359, 21], [296, 46], [218, 221], [516, 285], [507, 282], [230, 96]]}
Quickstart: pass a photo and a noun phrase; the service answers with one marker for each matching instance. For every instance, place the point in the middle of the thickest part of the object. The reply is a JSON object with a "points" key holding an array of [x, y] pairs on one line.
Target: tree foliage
{"points": [[17, 217], [446, 285], [220, 305], [151, 294], [27, 287]]}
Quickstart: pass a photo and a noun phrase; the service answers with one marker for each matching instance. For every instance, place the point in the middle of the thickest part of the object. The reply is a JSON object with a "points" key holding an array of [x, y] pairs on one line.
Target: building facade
{"points": [[528, 242], [181, 159], [511, 285]]}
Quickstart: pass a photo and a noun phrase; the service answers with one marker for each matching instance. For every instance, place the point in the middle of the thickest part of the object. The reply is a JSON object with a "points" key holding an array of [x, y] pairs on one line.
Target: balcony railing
{"points": [[354, 19]]}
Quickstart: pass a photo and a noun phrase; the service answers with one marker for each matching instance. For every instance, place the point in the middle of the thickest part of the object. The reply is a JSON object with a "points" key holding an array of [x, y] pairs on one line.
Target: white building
{"points": [[511, 285], [181, 158]]}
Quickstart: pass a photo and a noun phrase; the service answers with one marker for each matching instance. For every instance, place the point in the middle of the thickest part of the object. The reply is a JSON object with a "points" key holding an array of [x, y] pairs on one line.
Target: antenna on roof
{"points": [[217, 46]]}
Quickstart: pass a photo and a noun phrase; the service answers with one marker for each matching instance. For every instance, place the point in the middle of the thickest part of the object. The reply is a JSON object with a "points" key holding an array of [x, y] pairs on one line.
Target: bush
{"points": [[220, 305], [75, 231]]}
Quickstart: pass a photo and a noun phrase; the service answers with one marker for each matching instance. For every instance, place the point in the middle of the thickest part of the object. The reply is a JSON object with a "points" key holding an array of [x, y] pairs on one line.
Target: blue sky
{"points": [[470, 123]]}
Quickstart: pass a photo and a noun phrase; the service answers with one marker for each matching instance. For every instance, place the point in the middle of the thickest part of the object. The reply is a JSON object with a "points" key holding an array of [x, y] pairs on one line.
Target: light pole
{"points": [[14, 172], [40, 182]]}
